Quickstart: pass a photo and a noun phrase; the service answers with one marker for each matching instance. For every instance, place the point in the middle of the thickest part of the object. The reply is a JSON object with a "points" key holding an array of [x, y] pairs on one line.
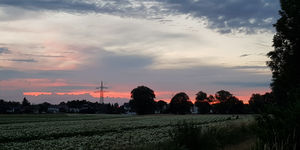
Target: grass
{"points": [[190, 136], [79, 131], [30, 118]]}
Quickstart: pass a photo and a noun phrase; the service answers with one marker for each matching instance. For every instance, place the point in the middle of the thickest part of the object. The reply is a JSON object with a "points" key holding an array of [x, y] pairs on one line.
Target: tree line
{"points": [[73, 106], [143, 102], [223, 102]]}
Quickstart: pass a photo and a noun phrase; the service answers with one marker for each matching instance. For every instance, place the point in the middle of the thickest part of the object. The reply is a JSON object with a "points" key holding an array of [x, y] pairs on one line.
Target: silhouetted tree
{"points": [[211, 98], [9, 107], [201, 96], [285, 60], [143, 100], [228, 103], [235, 106], [231, 106], [180, 104], [26, 106], [284, 124], [259, 103], [202, 103], [203, 107], [161, 106], [223, 96], [114, 108], [44, 107], [25, 102]]}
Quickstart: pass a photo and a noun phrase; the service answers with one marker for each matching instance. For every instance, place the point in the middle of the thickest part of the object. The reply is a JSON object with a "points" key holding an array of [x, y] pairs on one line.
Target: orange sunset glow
{"points": [[36, 93]]}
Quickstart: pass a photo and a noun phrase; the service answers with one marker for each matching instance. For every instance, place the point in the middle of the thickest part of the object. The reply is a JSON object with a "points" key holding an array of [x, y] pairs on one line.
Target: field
{"points": [[78, 131]]}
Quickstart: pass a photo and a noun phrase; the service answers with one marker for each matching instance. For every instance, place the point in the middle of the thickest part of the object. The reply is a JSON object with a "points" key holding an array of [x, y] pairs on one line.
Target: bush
{"points": [[279, 131]]}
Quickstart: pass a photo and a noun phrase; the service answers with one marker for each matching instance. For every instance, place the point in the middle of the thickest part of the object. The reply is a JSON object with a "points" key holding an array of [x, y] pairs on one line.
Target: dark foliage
{"points": [[44, 107], [180, 104], [74, 106], [278, 128], [143, 100], [202, 103], [203, 107], [25, 102], [223, 95], [261, 103], [190, 136], [9, 107], [228, 104], [161, 106], [285, 57], [211, 98], [201, 96]]}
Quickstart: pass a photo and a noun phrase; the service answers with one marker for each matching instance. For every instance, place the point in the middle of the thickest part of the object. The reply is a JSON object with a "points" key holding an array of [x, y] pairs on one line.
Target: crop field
{"points": [[79, 131]]}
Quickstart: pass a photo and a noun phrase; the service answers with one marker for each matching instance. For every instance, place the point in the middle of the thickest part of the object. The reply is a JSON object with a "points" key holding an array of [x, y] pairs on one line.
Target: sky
{"points": [[59, 50]]}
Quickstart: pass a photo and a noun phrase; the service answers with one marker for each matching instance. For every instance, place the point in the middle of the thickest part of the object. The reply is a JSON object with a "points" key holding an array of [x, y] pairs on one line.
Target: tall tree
{"points": [[223, 95], [180, 104], [143, 100], [260, 103], [202, 103], [201, 96], [161, 106], [228, 103], [284, 124], [285, 60], [25, 102], [211, 98]]}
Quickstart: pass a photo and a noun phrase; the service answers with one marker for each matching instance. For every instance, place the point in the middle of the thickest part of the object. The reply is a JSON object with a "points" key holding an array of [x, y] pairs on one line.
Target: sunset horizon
{"points": [[61, 51]]}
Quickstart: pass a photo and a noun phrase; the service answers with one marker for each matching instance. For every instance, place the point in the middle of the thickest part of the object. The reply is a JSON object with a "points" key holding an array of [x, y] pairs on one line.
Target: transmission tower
{"points": [[101, 92]]}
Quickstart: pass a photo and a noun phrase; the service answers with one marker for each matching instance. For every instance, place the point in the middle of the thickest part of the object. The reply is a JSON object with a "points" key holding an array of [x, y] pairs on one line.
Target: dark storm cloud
{"points": [[4, 50], [224, 16], [115, 7], [245, 55], [23, 60], [227, 15], [6, 74], [249, 67], [47, 56], [63, 5], [126, 61], [243, 84]]}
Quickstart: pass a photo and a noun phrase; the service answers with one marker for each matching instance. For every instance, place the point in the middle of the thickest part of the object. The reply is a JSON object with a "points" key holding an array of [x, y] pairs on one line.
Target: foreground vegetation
{"points": [[101, 131]]}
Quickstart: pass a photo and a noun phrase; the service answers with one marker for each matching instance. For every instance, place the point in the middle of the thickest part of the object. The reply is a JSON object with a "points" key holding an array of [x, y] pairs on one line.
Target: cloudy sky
{"points": [[58, 50]]}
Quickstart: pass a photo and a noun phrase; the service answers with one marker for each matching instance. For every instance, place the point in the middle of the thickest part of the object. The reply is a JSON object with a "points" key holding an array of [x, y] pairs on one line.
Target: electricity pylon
{"points": [[101, 88]]}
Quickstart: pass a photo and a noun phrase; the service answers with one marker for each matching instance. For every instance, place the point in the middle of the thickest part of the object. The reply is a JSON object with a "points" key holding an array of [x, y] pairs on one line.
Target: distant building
{"points": [[128, 109], [63, 107], [10, 110], [53, 109], [73, 110]]}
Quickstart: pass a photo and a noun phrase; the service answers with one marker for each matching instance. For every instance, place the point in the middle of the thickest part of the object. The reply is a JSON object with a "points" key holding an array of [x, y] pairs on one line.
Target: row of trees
{"points": [[142, 102], [223, 102], [74, 106]]}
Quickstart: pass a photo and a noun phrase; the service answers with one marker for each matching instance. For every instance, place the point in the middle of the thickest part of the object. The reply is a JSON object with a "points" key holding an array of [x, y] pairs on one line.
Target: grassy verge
{"points": [[189, 136]]}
